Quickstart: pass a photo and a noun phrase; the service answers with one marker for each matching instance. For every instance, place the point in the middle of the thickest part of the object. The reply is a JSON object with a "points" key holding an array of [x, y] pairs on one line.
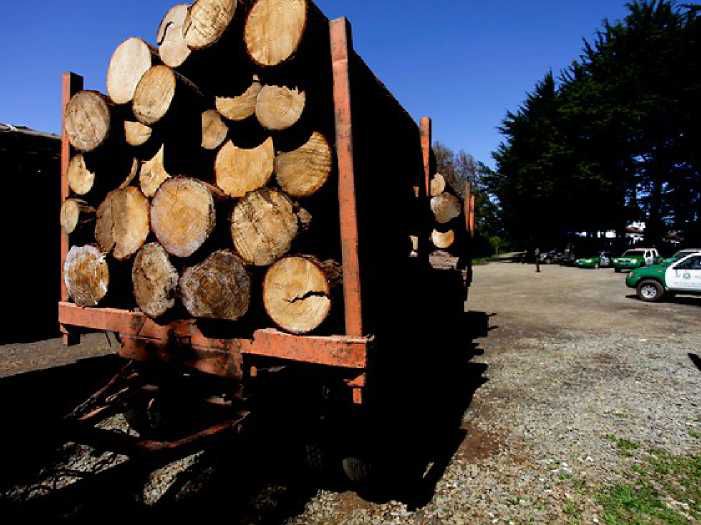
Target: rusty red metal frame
{"points": [[426, 140]]}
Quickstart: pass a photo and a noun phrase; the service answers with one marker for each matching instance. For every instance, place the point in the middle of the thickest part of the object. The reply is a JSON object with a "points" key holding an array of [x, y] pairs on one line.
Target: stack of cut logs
{"points": [[447, 210], [206, 167]]}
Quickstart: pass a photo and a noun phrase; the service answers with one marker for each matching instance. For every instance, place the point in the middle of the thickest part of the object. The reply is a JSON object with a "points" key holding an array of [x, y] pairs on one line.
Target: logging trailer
{"points": [[187, 347]]}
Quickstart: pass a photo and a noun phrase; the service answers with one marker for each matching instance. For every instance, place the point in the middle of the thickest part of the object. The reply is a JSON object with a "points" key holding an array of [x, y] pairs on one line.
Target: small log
{"points": [[88, 120], [122, 223], [81, 179], [86, 275], [446, 207], [183, 215], [240, 107], [304, 171], [130, 61], [155, 280], [443, 240], [279, 108], [159, 91], [214, 131], [438, 185], [136, 133], [207, 21], [263, 226], [75, 212], [172, 48], [219, 288], [274, 30], [297, 292], [153, 173], [239, 171]]}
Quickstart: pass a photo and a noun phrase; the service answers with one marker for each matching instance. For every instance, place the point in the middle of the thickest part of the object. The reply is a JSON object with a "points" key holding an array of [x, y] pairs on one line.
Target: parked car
{"points": [[681, 254], [603, 260], [652, 283], [636, 258]]}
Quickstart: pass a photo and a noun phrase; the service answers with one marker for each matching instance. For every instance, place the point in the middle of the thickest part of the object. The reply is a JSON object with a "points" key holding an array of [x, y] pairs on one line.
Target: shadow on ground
{"points": [[421, 383]]}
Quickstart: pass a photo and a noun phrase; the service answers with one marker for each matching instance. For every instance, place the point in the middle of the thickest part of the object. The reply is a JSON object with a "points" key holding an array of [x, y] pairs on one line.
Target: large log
{"points": [[274, 30], [443, 240], [239, 171], [75, 212], [160, 90], [263, 226], [279, 107], [86, 275], [81, 179], [304, 171], [214, 130], [207, 21], [155, 280], [88, 120], [297, 292], [153, 173], [219, 288], [130, 61], [172, 48], [183, 215], [122, 225], [243, 106], [446, 207]]}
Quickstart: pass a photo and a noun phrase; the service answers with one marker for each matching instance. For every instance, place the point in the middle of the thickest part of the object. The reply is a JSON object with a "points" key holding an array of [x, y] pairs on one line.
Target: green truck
{"points": [[636, 258], [652, 283]]}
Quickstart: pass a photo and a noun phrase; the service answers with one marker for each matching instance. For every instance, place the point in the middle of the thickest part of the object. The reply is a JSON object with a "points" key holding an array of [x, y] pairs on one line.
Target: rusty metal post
{"points": [[70, 85], [341, 53], [426, 141]]}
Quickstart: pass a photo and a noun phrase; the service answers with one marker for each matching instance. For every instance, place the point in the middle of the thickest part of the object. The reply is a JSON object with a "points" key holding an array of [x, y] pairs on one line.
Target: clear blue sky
{"points": [[463, 62]]}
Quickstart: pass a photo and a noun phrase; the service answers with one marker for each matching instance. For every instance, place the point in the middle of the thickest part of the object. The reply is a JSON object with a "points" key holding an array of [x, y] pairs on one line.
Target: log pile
{"points": [[202, 182], [448, 208]]}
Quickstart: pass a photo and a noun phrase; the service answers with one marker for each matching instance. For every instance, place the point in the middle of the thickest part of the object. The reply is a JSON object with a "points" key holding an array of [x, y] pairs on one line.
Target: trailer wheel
{"points": [[317, 458], [357, 470], [650, 291]]}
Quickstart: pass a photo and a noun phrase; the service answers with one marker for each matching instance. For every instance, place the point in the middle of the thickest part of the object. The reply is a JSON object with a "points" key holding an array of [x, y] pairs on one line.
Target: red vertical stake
{"points": [[341, 52], [70, 85], [426, 128], [426, 141]]}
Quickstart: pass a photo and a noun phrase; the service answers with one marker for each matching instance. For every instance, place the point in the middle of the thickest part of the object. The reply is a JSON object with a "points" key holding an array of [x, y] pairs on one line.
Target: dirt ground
{"points": [[581, 387]]}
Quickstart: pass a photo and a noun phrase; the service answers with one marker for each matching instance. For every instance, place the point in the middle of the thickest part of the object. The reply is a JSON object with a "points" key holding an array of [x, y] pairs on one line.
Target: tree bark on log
{"points": [[304, 171], [207, 21], [122, 225], [279, 108], [239, 171], [160, 91], [297, 292], [81, 179], [443, 240], [219, 288], [153, 173], [263, 226], [183, 215], [243, 106], [274, 30], [446, 207], [155, 280], [86, 275], [75, 212], [172, 48], [88, 120], [214, 130], [130, 61], [136, 133]]}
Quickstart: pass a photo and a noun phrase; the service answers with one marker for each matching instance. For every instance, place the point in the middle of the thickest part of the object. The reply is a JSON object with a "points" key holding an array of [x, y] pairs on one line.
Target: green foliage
{"points": [[615, 138]]}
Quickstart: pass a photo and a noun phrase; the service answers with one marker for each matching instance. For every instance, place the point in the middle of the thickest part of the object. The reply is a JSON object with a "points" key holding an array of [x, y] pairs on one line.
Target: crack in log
{"points": [[308, 295]]}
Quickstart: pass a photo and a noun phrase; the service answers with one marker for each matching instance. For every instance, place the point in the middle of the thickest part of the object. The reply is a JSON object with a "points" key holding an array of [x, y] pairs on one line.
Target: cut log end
{"points": [[240, 107], [438, 185], [183, 215], [75, 212], [80, 179], [443, 240], [274, 30], [88, 120], [219, 288], [214, 130], [304, 171], [129, 62], [279, 108], [136, 133], [239, 171], [154, 95], [297, 294], [446, 207], [173, 49], [153, 173], [86, 275], [263, 226], [207, 21], [155, 280], [122, 223]]}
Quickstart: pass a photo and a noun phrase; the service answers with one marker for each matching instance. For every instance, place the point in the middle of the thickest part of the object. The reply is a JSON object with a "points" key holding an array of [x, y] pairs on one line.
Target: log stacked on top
{"points": [[205, 170], [448, 211]]}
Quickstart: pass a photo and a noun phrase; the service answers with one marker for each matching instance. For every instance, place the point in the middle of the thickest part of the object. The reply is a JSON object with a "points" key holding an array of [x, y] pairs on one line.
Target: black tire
{"points": [[650, 291], [617, 270]]}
